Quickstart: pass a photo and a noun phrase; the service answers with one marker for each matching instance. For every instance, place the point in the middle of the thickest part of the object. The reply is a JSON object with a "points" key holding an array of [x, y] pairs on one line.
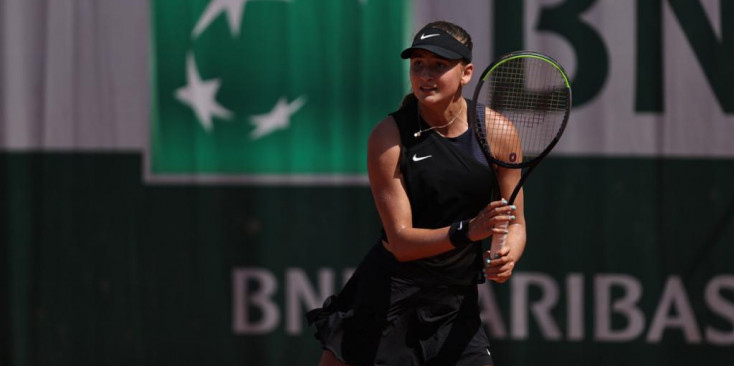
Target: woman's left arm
{"points": [[500, 269], [506, 147]]}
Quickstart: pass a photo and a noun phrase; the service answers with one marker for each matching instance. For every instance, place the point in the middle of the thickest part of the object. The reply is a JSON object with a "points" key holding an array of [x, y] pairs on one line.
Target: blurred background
{"points": [[181, 180]]}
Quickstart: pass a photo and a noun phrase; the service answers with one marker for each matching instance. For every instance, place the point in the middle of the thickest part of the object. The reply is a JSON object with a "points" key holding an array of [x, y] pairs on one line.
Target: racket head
{"points": [[526, 98]]}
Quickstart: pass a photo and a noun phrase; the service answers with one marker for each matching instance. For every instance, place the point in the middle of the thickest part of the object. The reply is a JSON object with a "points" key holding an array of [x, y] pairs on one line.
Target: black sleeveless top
{"points": [[446, 180]]}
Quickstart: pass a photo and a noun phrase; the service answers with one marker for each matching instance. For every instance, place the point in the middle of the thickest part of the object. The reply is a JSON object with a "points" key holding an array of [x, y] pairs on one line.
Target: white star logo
{"points": [[200, 95], [235, 10], [279, 118]]}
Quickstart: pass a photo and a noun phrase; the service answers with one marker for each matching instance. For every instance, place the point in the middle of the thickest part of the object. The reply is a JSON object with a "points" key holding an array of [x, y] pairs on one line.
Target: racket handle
{"points": [[498, 241]]}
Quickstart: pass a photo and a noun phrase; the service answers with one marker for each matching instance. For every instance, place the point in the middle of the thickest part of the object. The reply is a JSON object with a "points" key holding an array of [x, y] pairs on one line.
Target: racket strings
{"points": [[528, 101]]}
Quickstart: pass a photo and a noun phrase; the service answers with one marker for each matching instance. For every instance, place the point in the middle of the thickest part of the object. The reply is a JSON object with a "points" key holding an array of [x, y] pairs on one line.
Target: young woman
{"points": [[413, 299]]}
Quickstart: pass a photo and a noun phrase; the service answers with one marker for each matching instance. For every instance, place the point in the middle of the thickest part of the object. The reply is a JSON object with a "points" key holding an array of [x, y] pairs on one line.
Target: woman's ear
{"points": [[466, 76]]}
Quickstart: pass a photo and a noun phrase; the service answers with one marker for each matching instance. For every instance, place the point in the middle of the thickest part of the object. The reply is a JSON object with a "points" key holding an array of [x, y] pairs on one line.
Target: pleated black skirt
{"points": [[381, 318]]}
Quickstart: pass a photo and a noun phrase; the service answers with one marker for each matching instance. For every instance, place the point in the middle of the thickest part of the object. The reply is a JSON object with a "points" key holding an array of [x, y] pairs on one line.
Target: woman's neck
{"points": [[445, 118]]}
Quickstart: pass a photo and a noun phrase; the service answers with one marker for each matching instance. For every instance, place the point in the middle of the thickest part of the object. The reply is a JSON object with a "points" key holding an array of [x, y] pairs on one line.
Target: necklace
{"points": [[420, 131]]}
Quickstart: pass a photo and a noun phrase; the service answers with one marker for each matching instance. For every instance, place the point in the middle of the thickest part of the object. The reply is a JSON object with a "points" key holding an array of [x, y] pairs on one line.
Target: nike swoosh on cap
{"points": [[424, 36]]}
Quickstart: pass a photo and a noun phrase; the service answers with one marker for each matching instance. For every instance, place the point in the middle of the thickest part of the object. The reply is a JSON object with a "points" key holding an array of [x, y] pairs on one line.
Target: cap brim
{"points": [[438, 50]]}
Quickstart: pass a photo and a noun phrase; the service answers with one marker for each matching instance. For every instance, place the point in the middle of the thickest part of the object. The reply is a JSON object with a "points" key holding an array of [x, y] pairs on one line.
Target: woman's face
{"points": [[434, 79]]}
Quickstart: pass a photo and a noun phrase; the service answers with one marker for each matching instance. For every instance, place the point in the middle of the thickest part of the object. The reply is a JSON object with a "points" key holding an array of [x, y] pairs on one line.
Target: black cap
{"points": [[439, 42]]}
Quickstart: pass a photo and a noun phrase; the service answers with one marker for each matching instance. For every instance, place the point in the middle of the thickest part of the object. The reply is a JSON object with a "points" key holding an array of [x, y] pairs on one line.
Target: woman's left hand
{"points": [[499, 269]]}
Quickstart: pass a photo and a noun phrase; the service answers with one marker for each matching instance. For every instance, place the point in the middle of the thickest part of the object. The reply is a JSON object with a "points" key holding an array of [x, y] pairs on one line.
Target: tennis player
{"points": [[413, 298]]}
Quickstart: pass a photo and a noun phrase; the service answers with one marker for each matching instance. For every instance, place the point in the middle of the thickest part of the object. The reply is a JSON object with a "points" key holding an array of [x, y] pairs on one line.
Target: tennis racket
{"points": [[526, 101]]}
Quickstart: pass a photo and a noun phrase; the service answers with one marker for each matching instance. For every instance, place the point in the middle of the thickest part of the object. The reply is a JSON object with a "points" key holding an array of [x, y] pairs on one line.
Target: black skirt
{"points": [[380, 318]]}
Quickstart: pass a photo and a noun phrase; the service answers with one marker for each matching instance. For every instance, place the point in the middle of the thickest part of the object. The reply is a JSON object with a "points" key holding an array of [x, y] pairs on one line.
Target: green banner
{"points": [[630, 221], [272, 87]]}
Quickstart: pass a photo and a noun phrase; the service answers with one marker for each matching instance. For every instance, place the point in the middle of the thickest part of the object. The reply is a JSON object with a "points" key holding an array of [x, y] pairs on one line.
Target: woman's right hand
{"points": [[487, 221]]}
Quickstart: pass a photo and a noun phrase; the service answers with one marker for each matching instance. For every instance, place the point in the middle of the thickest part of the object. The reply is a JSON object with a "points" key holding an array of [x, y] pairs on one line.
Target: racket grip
{"points": [[498, 241]]}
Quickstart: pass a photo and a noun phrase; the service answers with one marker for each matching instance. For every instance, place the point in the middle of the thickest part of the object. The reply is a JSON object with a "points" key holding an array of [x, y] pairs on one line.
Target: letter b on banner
{"points": [[260, 296]]}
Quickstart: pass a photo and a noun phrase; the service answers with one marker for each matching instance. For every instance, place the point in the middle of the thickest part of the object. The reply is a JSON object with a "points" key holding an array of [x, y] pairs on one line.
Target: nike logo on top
{"points": [[419, 158], [424, 36]]}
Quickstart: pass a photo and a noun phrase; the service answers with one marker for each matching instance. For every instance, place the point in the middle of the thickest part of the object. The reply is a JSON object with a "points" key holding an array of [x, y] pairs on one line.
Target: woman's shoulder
{"points": [[385, 129], [494, 116], [396, 125]]}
